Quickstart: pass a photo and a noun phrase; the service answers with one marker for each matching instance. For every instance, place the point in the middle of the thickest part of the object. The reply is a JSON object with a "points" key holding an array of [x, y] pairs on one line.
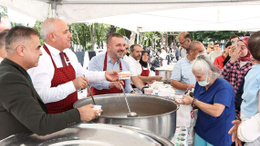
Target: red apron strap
{"points": [[48, 51], [105, 64]]}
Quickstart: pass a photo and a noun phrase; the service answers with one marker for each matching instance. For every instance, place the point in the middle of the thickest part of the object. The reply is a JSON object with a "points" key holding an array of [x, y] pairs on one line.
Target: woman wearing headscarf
{"points": [[214, 98], [144, 63], [238, 65]]}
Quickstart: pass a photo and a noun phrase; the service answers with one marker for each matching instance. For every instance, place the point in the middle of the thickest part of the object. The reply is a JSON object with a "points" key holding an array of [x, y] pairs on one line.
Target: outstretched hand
{"points": [[112, 75], [233, 131]]}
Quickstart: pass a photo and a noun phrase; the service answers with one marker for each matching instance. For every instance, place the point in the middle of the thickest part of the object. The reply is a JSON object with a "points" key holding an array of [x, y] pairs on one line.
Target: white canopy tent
{"points": [[148, 15], [239, 17]]}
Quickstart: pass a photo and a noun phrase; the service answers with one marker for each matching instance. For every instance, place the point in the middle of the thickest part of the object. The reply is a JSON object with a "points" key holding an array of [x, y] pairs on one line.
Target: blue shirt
{"points": [[182, 72], [215, 129], [249, 106], [97, 64]]}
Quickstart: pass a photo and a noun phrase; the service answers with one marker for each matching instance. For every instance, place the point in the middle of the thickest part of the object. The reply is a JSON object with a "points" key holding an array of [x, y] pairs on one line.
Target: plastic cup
{"points": [[98, 108], [124, 75], [148, 90]]}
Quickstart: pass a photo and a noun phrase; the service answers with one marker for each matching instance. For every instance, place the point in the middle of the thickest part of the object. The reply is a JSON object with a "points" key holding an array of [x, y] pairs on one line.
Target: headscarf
{"points": [[247, 57], [144, 64]]}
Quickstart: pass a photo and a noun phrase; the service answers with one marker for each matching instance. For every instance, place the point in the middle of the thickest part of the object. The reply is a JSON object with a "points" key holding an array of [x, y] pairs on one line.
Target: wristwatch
{"points": [[193, 102]]}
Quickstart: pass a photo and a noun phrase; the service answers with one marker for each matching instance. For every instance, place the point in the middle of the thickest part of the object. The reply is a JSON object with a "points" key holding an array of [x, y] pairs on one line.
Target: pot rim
{"points": [[115, 117]]}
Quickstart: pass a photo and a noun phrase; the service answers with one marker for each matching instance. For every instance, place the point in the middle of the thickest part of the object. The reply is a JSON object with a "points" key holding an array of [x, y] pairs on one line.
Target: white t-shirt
{"points": [[135, 66]]}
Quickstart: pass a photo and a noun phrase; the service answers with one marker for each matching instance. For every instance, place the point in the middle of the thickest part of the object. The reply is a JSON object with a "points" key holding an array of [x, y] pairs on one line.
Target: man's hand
{"points": [[87, 113], [233, 131], [157, 78], [112, 75], [151, 82], [116, 85], [80, 83]]}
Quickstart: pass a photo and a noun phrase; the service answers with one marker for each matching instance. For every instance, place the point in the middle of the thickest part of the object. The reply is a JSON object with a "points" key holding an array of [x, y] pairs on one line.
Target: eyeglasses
{"points": [[183, 42], [200, 57]]}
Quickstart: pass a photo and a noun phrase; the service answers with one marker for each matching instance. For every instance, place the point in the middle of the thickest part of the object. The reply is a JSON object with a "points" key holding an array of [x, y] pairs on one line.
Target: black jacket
{"points": [[21, 108]]}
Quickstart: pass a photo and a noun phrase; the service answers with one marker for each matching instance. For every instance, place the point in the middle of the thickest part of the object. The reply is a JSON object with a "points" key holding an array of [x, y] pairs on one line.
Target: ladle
{"points": [[91, 95], [129, 114]]}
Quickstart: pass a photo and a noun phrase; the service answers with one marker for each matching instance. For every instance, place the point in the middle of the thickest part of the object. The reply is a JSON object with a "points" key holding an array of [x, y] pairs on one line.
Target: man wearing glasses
{"points": [[184, 40], [182, 77]]}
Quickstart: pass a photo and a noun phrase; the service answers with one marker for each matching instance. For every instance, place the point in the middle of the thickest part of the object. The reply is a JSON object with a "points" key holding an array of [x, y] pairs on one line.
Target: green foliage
{"points": [[208, 36], [37, 26], [3, 11], [121, 31], [149, 38], [80, 33], [101, 33]]}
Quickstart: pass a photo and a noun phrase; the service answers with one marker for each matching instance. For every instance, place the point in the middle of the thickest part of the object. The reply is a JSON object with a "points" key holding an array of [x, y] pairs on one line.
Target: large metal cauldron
{"points": [[90, 135], [155, 114]]}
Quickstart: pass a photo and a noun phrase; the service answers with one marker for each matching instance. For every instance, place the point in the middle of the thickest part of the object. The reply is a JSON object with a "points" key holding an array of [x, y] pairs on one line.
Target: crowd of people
{"points": [[40, 83]]}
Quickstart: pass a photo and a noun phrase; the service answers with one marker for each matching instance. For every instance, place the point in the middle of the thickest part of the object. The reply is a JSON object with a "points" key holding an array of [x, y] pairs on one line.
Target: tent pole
{"points": [[138, 34], [137, 41], [53, 8]]}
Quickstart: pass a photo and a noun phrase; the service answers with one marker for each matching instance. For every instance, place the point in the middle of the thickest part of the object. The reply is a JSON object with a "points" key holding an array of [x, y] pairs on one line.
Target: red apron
{"points": [[62, 75], [107, 91], [145, 72]]}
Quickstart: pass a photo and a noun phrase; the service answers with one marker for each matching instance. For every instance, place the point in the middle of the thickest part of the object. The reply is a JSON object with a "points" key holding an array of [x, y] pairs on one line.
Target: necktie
{"points": [[62, 59]]}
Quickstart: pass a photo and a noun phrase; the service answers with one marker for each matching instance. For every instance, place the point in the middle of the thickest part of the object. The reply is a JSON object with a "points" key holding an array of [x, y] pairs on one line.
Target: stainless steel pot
{"points": [[89, 134], [155, 114], [165, 74]]}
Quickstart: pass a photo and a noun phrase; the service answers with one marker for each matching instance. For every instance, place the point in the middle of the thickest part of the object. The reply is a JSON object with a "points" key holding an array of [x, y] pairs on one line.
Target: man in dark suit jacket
{"points": [[21, 108]]}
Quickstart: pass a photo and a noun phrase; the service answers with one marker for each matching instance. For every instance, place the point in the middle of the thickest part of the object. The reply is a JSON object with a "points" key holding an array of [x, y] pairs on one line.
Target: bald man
{"points": [[182, 77], [59, 77], [184, 40]]}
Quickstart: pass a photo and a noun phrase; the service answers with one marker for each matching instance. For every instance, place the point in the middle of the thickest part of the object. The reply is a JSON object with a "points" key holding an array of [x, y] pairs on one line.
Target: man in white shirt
{"points": [[217, 52], [56, 80], [136, 69]]}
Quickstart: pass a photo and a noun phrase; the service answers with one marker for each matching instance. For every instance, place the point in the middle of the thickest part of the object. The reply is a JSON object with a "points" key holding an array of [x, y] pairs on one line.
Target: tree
{"points": [[3, 11], [37, 26], [208, 36]]}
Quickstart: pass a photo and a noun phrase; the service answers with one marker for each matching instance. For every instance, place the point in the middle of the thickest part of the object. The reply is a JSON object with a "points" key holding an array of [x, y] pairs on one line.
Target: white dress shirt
{"points": [[135, 66], [42, 76], [1, 59]]}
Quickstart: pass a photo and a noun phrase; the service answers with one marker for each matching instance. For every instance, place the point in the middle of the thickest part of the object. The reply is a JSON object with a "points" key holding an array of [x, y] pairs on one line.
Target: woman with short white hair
{"points": [[214, 98]]}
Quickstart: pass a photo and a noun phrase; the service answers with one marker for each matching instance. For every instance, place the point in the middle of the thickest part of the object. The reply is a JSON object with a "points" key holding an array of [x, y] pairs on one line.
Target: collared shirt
{"points": [[234, 74], [135, 66], [97, 64], [249, 105], [1, 59], [42, 76], [213, 55], [183, 52], [182, 72]]}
